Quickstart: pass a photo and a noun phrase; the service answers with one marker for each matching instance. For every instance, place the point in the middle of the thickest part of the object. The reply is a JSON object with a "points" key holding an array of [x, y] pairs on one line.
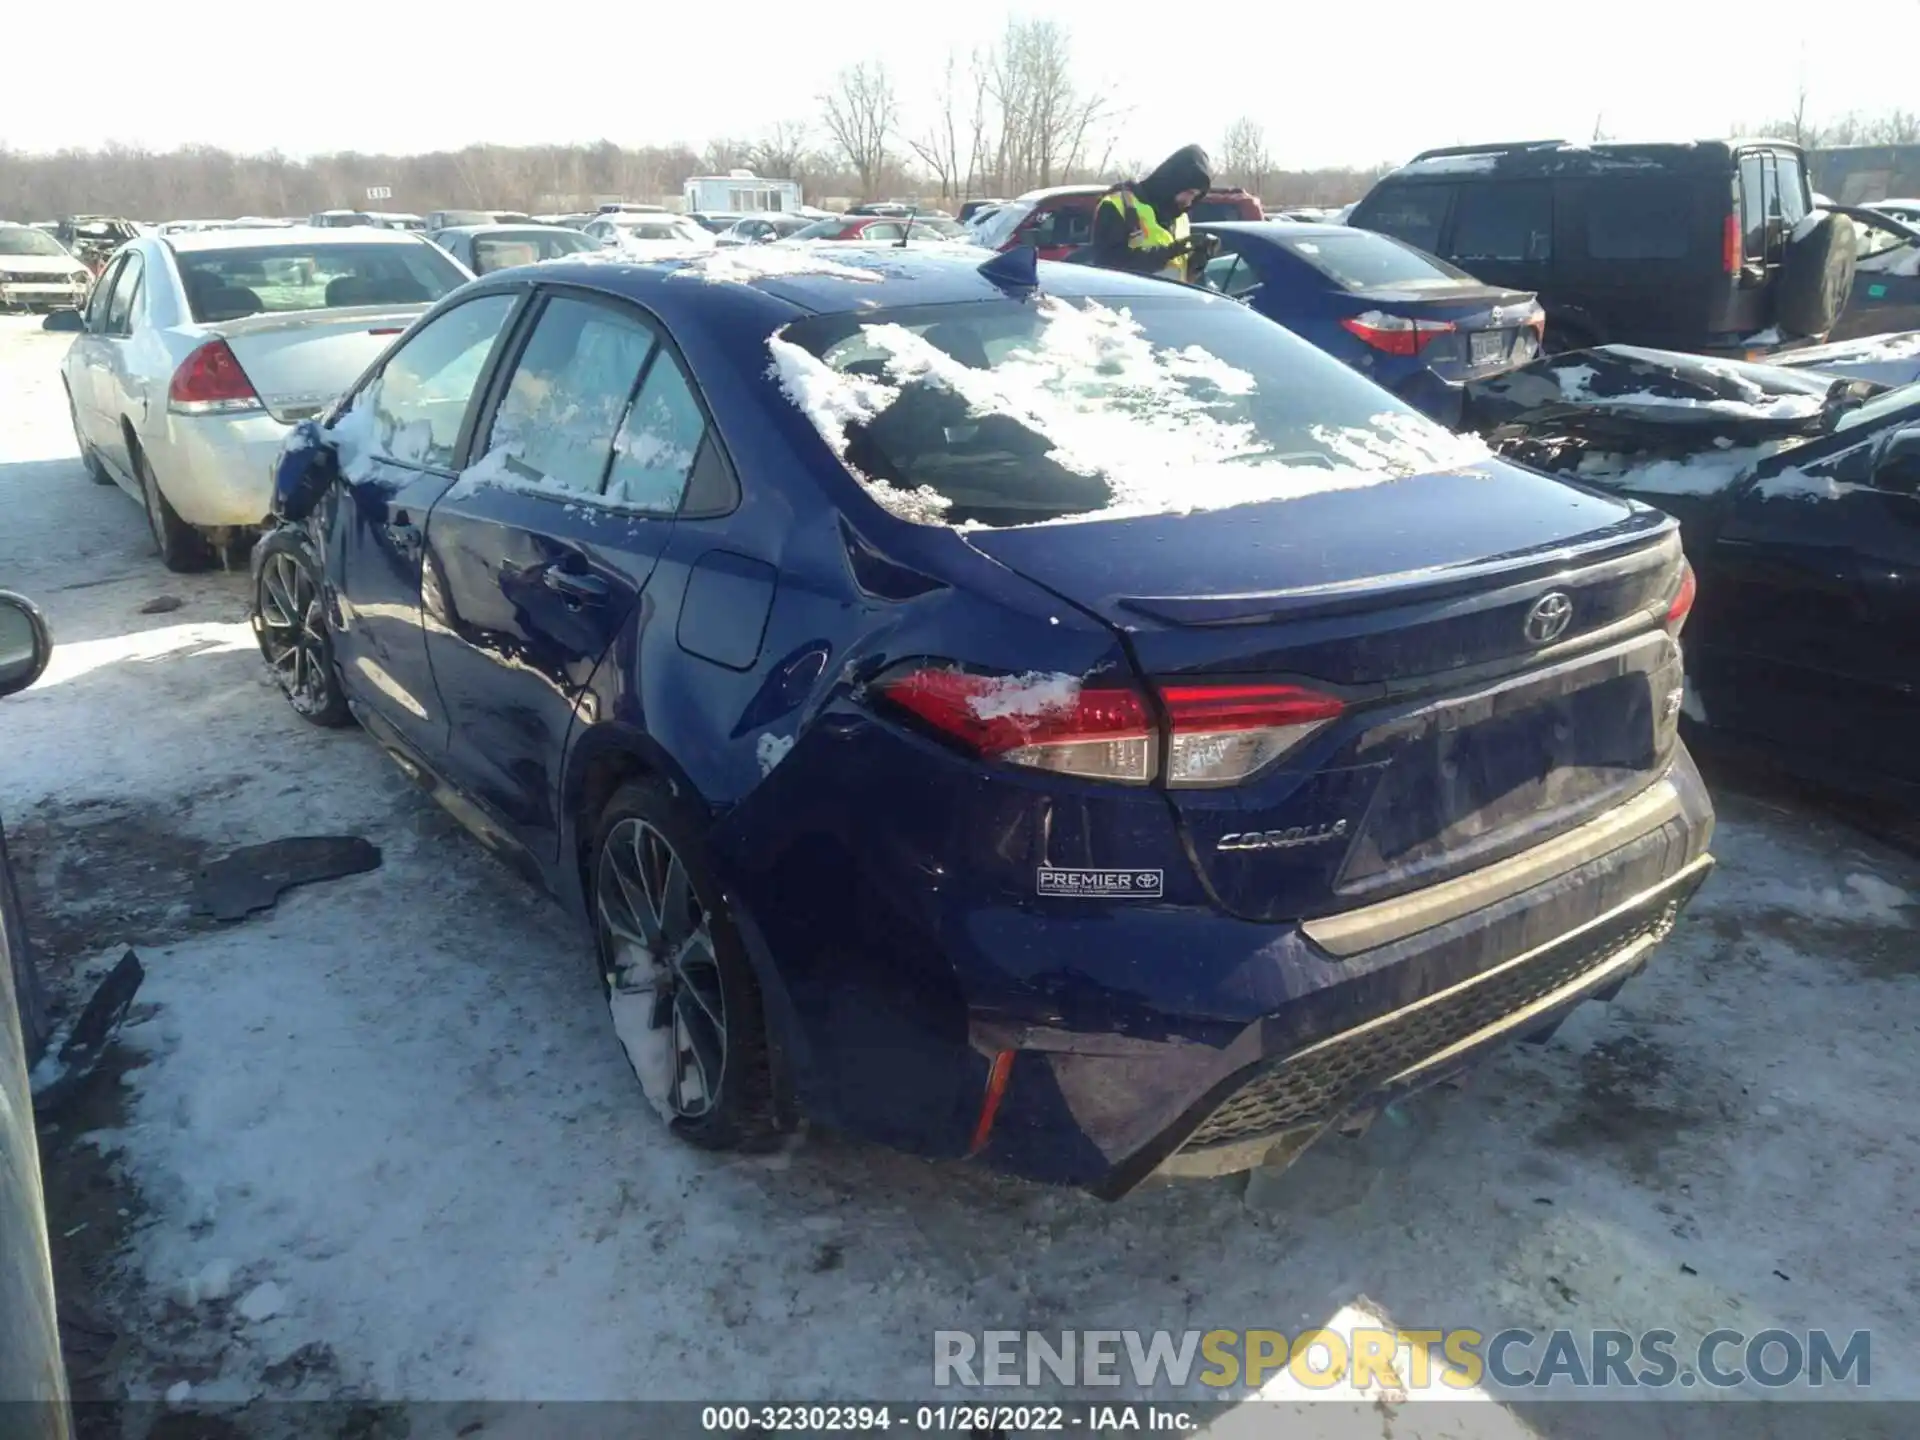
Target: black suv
{"points": [[1705, 246]]}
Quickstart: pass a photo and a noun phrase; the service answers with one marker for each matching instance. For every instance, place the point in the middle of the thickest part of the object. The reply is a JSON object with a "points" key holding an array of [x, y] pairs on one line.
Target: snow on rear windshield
{"points": [[1008, 413]]}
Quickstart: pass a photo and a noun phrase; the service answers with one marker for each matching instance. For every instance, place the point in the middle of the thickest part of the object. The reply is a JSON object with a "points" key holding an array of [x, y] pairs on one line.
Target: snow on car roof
{"points": [[193, 241], [1052, 190]]}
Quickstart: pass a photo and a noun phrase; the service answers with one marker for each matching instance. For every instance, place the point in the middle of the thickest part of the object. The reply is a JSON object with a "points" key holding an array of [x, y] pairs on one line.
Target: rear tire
{"points": [[182, 548], [290, 623], [96, 471], [1816, 277], [684, 999]]}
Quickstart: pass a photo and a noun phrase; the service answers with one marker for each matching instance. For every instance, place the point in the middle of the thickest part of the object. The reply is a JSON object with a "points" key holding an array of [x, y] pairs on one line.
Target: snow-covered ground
{"points": [[382, 1141]]}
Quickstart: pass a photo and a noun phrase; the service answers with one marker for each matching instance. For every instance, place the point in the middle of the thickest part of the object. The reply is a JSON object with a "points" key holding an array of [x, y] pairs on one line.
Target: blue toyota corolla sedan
{"points": [[1414, 324], [1001, 710]]}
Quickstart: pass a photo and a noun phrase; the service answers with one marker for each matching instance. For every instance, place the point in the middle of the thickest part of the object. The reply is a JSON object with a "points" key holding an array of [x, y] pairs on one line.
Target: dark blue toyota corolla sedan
{"points": [[1009, 711]]}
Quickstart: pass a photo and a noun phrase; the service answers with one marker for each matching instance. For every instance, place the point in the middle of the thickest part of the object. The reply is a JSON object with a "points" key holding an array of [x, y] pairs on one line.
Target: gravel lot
{"points": [[380, 1142]]}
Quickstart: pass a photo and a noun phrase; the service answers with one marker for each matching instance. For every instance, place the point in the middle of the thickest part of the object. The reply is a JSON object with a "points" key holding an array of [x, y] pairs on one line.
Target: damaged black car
{"points": [[1798, 492]]}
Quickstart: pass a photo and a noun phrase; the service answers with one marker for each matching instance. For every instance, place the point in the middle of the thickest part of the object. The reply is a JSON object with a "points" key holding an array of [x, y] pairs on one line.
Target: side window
{"points": [[1511, 221], [1230, 274], [1753, 207], [659, 442], [1638, 219], [882, 232], [1413, 213], [556, 423], [126, 290], [413, 409], [1794, 203], [102, 295]]}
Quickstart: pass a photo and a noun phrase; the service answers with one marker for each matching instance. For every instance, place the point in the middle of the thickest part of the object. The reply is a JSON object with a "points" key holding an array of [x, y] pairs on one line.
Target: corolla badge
{"points": [[1287, 839], [1548, 618]]}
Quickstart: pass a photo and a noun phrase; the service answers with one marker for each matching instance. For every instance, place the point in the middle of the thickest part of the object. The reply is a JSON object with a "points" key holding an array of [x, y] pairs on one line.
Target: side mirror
{"points": [[308, 465], [26, 644], [65, 322], [1896, 466]]}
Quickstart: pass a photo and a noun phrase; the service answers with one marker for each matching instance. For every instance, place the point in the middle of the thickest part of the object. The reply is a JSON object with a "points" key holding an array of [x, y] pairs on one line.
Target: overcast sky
{"points": [[1332, 83]]}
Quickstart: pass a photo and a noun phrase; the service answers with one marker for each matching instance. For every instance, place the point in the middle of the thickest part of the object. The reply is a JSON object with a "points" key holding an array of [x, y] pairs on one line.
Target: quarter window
{"points": [[659, 441]]}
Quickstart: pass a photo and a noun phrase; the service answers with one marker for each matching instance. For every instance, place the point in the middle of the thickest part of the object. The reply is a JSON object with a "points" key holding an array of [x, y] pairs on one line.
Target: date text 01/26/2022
{"points": [[947, 1419]]}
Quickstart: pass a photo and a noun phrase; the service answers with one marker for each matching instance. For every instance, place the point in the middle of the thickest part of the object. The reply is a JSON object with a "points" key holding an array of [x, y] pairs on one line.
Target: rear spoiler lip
{"points": [[341, 317], [1645, 529]]}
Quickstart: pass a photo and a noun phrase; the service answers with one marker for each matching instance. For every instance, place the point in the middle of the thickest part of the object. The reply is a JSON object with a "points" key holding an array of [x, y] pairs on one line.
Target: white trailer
{"points": [[739, 192]]}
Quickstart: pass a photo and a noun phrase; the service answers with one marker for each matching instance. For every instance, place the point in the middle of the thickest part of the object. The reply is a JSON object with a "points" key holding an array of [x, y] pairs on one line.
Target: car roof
{"points": [[511, 227], [1559, 157], [1056, 190], [893, 278], [1282, 229], [193, 241]]}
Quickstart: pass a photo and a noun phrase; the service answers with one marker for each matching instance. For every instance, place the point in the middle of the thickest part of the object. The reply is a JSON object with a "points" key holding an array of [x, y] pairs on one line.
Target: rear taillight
{"points": [[1396, 334], [1731, 249], [1224, 733], [1682, 602], [1220, 734], [211, 382]]}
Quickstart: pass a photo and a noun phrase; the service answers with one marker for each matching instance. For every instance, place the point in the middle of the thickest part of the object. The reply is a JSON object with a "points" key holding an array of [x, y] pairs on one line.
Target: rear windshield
{"points": [[665, 228], [500, 252], [1205, 210], [1004, 413], [1361, 260], [19, 240], [227, 284], [450, 218]]}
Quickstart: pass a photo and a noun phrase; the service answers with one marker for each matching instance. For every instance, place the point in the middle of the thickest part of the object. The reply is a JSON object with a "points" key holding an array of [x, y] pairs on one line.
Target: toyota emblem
{"points": [[1548, 618]]}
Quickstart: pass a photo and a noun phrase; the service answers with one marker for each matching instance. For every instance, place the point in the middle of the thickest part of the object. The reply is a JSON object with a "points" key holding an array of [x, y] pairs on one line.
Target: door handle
{"points": [[579, 589]]}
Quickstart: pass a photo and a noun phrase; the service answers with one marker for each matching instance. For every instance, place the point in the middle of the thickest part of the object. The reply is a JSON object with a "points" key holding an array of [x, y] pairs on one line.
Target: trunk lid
{"points": [[1465, 737], [300, 361], [1493, 328]]}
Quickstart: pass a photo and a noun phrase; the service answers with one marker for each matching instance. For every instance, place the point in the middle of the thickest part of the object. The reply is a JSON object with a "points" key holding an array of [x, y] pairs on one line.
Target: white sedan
{"points": [[652, 236], [197, 353]]}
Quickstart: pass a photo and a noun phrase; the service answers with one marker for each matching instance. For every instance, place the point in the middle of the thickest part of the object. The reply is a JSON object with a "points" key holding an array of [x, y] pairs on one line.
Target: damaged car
{"points": [[1007, 711], [1798, 491]]}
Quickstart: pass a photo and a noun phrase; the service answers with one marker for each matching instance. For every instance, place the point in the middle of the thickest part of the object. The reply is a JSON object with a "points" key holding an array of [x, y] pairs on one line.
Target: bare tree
{"points": [[1244, 157], [938, 146], [860, 116], [781, 153], [723, 155], [1044, 126]]}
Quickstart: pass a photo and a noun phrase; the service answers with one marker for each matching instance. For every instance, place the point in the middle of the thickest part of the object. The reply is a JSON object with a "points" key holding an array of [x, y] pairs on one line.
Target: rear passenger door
{"points": [[539, 555]]}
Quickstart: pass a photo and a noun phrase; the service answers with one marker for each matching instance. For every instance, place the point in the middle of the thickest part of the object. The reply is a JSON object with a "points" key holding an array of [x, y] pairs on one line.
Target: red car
{"points": [[1059, 221], [880, 228]]}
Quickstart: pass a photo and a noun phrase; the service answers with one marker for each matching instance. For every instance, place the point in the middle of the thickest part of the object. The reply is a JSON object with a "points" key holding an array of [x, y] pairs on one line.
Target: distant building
{"points": [[739, 192], [1861, 174]]}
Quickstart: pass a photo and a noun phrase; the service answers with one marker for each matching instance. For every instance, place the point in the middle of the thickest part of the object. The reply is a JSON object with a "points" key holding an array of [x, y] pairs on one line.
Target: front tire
{"points": [[182, 548], [683, 995], [290, 623], [96, 471]]}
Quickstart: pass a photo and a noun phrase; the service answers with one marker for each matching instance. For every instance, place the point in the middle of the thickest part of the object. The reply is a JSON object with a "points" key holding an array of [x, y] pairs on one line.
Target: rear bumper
{"points": [[1382, 1002], [217, 470]]}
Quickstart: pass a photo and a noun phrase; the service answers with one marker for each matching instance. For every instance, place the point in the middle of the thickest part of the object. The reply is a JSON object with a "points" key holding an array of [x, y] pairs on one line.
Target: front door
{"points": [[540, 553], [398, 438], [1810, 598]]}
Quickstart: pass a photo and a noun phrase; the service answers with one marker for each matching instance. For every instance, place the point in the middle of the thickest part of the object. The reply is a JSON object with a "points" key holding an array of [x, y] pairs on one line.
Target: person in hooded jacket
{"points": [[1142, 227]]}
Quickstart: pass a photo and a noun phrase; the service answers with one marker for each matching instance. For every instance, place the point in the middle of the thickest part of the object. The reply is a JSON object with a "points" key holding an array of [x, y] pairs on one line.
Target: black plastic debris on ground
{"points": [[253, 877], [65, 1069]]}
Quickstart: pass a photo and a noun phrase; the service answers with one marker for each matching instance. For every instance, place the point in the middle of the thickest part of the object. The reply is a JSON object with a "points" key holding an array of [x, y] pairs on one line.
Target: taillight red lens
{"points": [[1224, 733], [211, 382], [1396, 334], [1046, 722], [1221, 734], [1731, 250], [1682, 600]]}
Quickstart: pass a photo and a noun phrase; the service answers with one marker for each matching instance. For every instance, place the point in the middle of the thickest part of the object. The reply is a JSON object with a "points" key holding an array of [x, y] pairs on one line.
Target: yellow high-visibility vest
{"points": [[1146, 231]]}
